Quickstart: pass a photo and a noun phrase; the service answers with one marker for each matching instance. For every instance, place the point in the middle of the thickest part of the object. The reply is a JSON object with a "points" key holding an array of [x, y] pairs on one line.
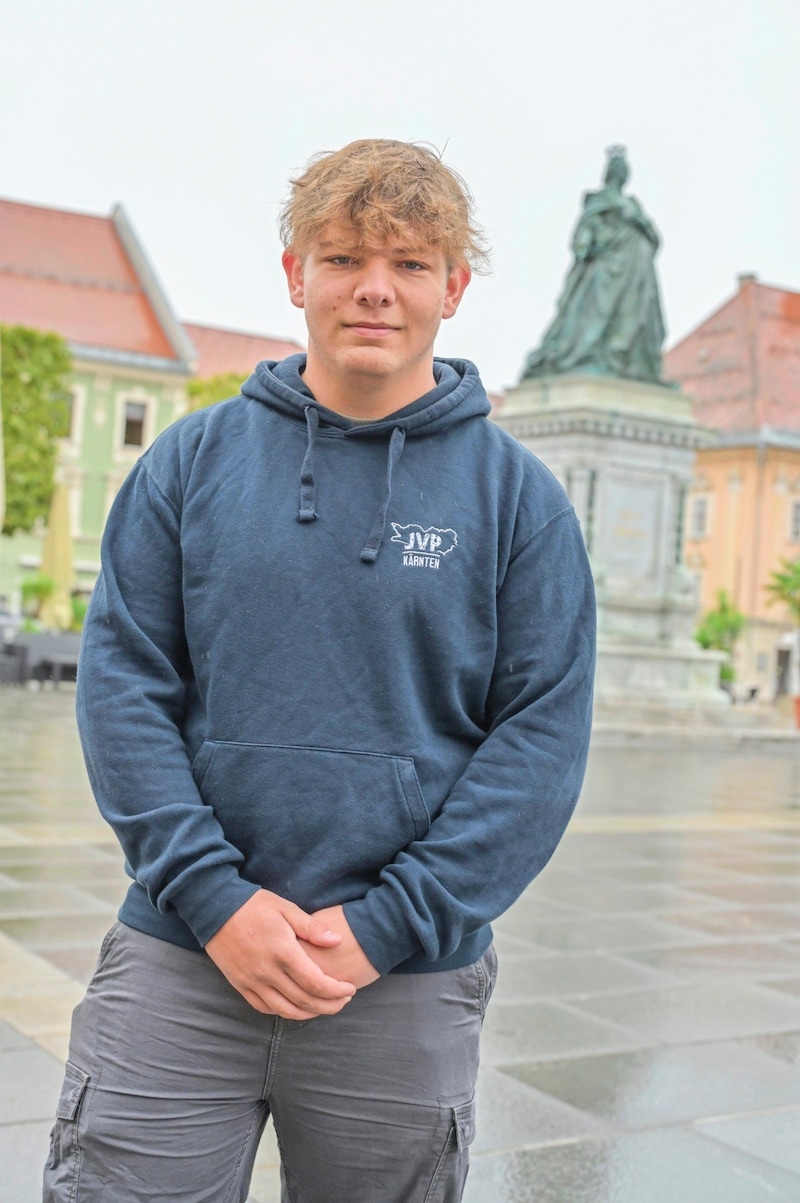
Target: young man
{"points": [[335, 696]]}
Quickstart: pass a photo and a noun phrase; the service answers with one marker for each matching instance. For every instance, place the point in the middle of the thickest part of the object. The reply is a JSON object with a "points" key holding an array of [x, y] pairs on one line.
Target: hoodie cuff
{"points": [[381, 928], [210, 898]]}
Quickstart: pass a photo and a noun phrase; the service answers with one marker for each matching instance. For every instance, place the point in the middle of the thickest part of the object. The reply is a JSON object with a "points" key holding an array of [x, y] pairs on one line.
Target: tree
{"points": [[216, 388], [720, 628], [34, 394], [784, 586]]}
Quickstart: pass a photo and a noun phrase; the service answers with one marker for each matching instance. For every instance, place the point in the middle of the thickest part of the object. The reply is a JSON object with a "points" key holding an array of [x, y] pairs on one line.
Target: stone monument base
{"points": [[637, 682], [624, 450]]}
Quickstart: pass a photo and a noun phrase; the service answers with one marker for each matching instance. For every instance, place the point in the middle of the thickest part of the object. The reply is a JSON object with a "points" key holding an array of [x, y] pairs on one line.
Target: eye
{"points": [[413, 265], [341, 260]]}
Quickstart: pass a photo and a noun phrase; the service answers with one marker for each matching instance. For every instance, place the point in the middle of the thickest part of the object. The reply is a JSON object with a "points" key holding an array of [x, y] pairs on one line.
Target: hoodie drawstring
{"points": [[369, 552], [308, 485]]}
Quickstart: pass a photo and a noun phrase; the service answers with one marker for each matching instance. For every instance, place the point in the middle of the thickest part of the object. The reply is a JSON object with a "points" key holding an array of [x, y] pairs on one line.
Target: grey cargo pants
{"points": [[172, 1076]]}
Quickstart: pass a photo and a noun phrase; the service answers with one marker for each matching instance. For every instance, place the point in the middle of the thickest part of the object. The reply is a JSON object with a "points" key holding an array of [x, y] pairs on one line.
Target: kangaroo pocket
{"points": [[315, 825]]}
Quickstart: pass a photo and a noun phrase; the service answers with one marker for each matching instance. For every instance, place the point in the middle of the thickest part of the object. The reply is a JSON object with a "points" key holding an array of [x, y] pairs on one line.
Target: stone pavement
{"points": [[643, 1045]]}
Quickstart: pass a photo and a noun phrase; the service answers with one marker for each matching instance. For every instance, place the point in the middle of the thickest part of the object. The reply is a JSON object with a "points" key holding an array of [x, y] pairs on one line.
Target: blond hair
{"points": [[385, 189]]}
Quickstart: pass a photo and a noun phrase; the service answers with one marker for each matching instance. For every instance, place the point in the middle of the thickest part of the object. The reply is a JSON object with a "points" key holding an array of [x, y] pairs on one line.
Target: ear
{"points": [[293, 266], [457, 282]]}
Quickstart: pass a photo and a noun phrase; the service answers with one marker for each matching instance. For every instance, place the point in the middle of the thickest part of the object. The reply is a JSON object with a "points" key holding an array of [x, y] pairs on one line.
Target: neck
{"points": [[363, 395]]}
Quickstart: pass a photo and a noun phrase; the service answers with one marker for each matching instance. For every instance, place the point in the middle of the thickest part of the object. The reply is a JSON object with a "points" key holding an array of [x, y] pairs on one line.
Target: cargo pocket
{"points": [[64, 1160], [447, 1184]]}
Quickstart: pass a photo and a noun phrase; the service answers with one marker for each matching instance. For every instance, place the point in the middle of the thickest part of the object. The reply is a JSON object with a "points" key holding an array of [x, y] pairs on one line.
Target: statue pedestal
{"points": [[624, 451]]}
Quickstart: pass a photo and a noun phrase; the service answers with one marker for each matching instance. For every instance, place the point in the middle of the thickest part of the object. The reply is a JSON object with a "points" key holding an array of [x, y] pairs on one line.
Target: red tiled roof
{"points": [[68, 272], [221, 351], [741, 365]]}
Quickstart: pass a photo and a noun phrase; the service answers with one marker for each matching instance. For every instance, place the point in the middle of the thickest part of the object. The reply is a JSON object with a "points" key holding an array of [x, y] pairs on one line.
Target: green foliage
{"points": [[35, 400], [35, 590], [79, 607], [784, 586], [720, 628], [216, 388]]}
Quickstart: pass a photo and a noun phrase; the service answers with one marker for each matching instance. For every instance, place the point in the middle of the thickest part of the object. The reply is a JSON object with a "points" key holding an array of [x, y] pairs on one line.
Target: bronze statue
{"points": [[608, 321]]}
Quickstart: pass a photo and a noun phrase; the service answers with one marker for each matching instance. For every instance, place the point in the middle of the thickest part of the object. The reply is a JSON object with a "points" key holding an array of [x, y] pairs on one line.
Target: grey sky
{"points": [[194, 114]]}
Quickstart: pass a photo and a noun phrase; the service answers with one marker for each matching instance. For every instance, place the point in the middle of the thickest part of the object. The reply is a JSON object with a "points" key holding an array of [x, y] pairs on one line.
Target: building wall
{"points": [[94, 461], [743, 516], [742, 364]]}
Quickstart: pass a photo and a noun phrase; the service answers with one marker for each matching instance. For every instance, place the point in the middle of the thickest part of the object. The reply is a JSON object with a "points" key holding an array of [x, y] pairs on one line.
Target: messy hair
{"points": [[385, 189]]}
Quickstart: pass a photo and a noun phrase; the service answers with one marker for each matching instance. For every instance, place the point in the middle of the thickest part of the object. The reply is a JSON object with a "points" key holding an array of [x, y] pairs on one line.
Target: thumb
{"points": [[312, 928]]}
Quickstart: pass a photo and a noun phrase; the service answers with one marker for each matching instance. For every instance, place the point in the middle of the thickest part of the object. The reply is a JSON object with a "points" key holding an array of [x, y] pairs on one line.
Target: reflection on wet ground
{"points": [[643, 1044]]}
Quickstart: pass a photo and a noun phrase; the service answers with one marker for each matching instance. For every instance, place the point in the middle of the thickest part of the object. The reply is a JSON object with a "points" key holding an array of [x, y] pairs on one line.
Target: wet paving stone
{"points": [[774, 1138], [82, 872], [739, 922], [29, 1076], [702, 1012], [50, 930], [528, 1032], [610, 934], [790, 985], [664, 1166], [649, 981], [511, 1114], [27, 901], [621, 899], [757, 892], [667, 1085], [785, 1046], [686, 874], [563, 976], [742, 960]]}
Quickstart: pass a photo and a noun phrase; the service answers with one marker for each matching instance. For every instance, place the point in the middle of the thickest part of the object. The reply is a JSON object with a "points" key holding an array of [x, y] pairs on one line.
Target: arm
{"points": [[505, 815], [131, 698]]}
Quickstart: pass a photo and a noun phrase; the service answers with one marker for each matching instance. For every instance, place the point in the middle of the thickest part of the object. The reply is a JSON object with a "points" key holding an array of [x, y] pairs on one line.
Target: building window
{"points": [[73, 429], [679, 520], [794, 521], [135, 414], [698, 528], [69, 425]]}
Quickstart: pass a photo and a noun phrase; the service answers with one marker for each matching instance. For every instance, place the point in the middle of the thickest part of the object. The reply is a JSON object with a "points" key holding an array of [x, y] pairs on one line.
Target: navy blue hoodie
{"points": [[348, 663]]}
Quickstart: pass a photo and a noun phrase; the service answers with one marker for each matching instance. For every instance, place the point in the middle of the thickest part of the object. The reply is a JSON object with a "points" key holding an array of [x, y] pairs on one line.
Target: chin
{"points": [[369, 361]]}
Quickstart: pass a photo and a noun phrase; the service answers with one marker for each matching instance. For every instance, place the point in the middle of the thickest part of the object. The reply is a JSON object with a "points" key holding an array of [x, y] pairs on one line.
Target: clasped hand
{"points": [[288, 963]]}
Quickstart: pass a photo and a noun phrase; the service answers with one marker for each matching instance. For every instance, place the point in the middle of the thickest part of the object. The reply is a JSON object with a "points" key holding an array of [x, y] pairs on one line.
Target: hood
{"points": [[458, 395]]}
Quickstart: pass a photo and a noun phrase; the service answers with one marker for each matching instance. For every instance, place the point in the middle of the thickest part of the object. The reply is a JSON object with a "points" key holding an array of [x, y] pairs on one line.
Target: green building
{"points": [[87, 278]]}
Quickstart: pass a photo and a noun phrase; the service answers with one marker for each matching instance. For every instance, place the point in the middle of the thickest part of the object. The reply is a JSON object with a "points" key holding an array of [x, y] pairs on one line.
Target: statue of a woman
{"points": [[609, 319]]}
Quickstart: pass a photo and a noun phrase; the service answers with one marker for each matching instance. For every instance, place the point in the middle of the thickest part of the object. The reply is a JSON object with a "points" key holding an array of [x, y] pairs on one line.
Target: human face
{"points": [[372, 314]]}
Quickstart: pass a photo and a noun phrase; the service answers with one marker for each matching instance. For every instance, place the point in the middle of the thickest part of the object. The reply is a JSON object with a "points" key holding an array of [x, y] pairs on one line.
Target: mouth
{"points": [[371, 329]]}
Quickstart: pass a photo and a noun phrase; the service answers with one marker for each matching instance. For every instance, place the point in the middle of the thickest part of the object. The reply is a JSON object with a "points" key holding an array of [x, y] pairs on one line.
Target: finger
{"points": [[272, 1002], [307, 984], [309, 978], [311, 928]]}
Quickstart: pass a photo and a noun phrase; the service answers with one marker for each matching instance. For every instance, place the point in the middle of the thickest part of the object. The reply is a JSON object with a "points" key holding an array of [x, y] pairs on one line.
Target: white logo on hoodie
{"points": [[423, 547]]}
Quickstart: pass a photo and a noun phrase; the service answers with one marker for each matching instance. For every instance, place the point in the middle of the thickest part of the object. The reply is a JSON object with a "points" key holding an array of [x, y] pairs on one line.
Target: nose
{"points": [[374, 286]]}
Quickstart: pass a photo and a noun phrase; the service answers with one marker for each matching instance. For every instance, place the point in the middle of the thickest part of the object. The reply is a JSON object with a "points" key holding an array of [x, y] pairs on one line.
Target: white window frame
{"points": [[697, 532], [134, 397], [74, 440], [793, 520]]}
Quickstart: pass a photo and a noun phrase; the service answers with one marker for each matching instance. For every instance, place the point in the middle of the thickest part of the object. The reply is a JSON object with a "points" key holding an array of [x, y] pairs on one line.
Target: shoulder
{"points": [[171, 457], [522, 477]]}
